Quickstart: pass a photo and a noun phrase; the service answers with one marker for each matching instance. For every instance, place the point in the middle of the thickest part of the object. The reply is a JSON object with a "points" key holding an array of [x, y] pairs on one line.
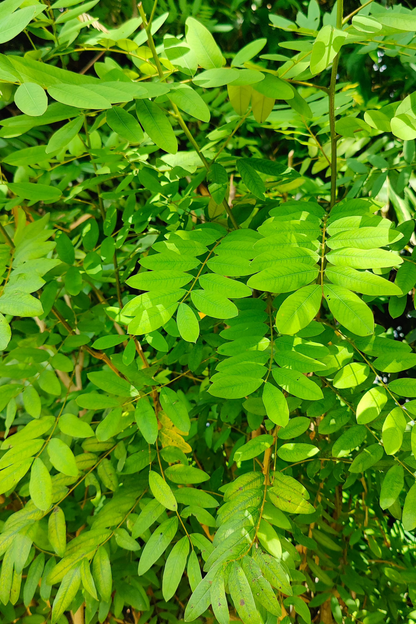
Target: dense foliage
{"points": [[207, 327]]}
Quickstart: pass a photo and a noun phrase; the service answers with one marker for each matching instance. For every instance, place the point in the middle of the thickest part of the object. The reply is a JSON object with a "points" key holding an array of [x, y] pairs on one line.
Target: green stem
{"points": [[340, 7]]}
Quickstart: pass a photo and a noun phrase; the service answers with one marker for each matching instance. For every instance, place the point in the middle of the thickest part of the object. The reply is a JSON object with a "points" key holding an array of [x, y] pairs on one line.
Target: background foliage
{"points": [[207, 327]]}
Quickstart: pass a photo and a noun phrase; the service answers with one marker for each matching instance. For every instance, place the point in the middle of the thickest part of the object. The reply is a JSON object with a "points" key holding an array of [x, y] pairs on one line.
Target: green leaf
{"points": [[188, 100], [403, 387], [19, 303], [219, 599], [269, 539], [101, 570], [214, 305], [174, 568], [199, 601], [87, 579], [288, 495], [157, 544], [274, 88], [14, 23], [254, 447], [33, 577], [146, 420], [31, 99], [161, 491], [297, 384], [409, 510], [5, 333], [349, 310], [276, 405], [351, 375], [364, 238], [57, 531], [156, 125], [363, 282], [175, 409], [247, 53], [124, 124], [261, 105], [185, 475], [234, 386], [66, 593], [371, 404], [261, 588], [78, 96], [188, 324], [32, 402], [326, 46], [349, 440], [393, 429], [284, 278], [242, 595], [392, 485], [62, 458], [75, 427], [367, 458], [251, 178], [364, 258], [297, 451], [203, 45], [40, 486], [299, 309], [111, 383], [34, 192]]}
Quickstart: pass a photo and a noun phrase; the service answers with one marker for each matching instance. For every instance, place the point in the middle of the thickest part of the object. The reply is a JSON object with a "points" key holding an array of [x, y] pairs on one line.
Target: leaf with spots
{"points": [[242, 595]]}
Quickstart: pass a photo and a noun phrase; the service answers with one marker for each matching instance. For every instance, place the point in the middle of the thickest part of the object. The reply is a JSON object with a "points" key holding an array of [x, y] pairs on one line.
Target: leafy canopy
{"points": [[206, 250]]}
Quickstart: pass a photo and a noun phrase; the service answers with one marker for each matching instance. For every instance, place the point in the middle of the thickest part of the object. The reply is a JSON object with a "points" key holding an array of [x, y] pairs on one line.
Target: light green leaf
{"points": [[349, 440], [203, 45], [78, 96], [161, 491], [14, 23], [367, 458], [405, 387], [299, 309], [35, 192], [242, 595], [32, 402], [5, 333], [234, 386], [31, 99], [219, 599], [146, 420], [248, 52], [392, 485], [284, 277], [254, 447], [57, 531], [124, 124], [297, 451], [349, 310], [361, 281], [66, 593], [276, 405], [188, 324], [289, 495], [101, 570], [351, 375], [75, 427], [364, 258], [371, 404], [393, 429], [156, 125], [62, 458], [87, 579], [40, 486], [157, 544], [19, 303], [174, 568], [213, 305], [175, 409], [274, 88], [409, 510], [188, 100], [325, 48], [185, 475], [261, 587], [364, 238], [297, 384]]}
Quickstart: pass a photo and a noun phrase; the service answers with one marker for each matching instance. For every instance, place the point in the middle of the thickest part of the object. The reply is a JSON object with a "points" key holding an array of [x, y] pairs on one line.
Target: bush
{"points": [[206, 313]]}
